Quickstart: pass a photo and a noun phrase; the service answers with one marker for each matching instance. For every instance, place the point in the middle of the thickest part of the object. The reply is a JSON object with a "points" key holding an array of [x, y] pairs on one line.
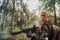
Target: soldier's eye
{"points": [[42, 15]]}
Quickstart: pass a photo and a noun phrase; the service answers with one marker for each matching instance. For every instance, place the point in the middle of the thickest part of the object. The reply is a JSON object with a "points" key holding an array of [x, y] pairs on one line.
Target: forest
{"points": [[16, 15]]}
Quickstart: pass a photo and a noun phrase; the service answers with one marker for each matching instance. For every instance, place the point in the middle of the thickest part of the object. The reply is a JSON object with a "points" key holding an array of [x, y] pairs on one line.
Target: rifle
{"points": [[26, 30]]}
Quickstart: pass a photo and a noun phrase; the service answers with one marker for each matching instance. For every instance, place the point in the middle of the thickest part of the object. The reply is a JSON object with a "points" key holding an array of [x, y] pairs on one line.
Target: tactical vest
{"points": [[47, 30]]}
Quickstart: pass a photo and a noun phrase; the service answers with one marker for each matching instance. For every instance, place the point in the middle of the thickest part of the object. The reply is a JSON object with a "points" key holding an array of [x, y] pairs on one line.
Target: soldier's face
{"points": [[44, 17]]}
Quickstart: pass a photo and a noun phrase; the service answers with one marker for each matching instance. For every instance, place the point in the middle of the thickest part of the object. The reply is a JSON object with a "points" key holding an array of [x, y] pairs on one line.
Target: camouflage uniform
{"points": [[47, 30]]}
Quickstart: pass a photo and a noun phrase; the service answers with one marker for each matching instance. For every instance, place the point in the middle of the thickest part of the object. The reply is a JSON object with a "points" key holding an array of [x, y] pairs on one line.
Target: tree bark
{"points": [[55, 18]]}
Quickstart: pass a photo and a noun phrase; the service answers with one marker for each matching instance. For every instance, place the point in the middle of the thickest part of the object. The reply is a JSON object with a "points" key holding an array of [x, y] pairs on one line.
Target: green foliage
{"points": [[58, 1], [58, 21], [51, 2], [43, 0], [51, 19]]}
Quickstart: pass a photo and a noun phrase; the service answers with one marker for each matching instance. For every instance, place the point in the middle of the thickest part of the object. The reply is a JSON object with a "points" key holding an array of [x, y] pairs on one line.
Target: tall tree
{"points": [[4, 14], [24, 13]]}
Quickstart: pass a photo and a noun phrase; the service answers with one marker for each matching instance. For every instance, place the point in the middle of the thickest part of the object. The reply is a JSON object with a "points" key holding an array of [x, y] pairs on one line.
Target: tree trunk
{"points": [[55, 18], [21, 14], [12, 19]]}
